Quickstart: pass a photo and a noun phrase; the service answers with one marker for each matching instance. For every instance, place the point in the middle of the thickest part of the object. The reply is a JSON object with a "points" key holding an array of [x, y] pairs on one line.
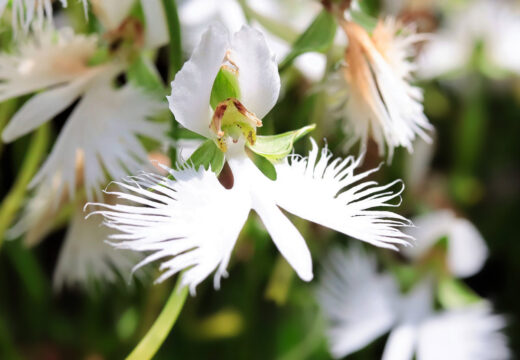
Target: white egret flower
{"points": [[111, 14], [467, 251], [361, 305], [101, 134], [86, 258], [492, 24], [194, 221], [291, 16], [374, 94]]}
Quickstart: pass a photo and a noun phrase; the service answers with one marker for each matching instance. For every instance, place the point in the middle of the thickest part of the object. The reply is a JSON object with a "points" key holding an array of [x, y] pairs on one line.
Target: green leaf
{"points": [[225, 87], [317, 38], [277, 147], [144, 74], [361, 17], [453, 293], [208, 154]]}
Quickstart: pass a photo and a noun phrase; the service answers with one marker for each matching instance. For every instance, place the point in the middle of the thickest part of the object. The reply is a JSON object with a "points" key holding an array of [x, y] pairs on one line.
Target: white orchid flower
{"points": [[111, 14], [467, 251], [194, 221], [494, 24], [373, 93], [292, 16], [101, 134], [361, 305]]}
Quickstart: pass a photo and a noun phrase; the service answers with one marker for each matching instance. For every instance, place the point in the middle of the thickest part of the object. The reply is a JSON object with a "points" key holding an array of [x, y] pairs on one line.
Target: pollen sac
{"points": [[232, 120]]}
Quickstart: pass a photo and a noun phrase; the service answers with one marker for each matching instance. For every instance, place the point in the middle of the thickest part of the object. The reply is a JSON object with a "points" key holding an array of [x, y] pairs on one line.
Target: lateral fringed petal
{"points": [[192, 221], [329, 193]]}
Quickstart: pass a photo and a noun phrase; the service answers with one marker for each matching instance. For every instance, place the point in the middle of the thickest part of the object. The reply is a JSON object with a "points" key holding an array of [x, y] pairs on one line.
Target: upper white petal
{"points": [[156, 28], [191, 88], [111, 13], [360, 303], [467, 250], [471, 333], [192, 223], [258, 71], [330, 194]]}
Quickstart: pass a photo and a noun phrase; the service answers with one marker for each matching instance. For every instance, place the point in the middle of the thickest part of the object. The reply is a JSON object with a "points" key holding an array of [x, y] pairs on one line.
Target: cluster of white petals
{"points": [[361, 305], [373, 91], [101, 134]]}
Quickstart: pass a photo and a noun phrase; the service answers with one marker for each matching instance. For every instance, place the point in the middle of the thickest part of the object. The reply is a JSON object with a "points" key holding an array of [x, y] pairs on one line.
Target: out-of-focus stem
{"points": [[12, 202], [175, 58], [152, 341]]}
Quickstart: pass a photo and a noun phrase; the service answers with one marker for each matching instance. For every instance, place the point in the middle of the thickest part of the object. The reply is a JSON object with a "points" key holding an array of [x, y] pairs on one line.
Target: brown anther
{"points": [[216, 122], [249, 115]]}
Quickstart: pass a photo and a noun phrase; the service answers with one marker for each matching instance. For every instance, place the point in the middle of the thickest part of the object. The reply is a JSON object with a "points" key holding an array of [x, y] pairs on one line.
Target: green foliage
{"points": [[318, 37]]}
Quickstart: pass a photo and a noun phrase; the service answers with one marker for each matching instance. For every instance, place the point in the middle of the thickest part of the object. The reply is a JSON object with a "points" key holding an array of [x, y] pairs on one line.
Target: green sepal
{"points": [[318, 37], [208, 154], [276, 147], [454, 293], [225, 86]]}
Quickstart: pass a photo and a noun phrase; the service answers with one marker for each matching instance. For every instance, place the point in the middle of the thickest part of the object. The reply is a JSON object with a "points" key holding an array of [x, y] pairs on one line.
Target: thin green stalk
{"points": [[175, 57], [152, 341], [174, 30], [12, 202]]}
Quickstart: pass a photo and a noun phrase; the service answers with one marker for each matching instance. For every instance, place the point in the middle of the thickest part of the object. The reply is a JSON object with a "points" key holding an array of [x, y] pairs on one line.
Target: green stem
{"points": [[153, 340], [174, 30], [12, 202], [175, 47]]}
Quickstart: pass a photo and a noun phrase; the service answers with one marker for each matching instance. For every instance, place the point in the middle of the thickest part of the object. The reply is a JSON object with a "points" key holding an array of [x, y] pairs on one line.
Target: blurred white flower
{"points": [[492, 24], [373, 91], [111, 14], [27, 12], [86, 258], [361, 305], [195, 221], [291, 17], [100, 136], [467, 250]]}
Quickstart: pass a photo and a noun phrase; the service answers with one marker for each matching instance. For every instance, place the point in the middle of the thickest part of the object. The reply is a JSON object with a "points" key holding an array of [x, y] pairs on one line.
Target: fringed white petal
{"points": [[330, 194], [360, 303], [47, 59], [258, 71], [472, 333], [86, 258], [191, 88], [101, 137], [381, 102], [191, 223]]}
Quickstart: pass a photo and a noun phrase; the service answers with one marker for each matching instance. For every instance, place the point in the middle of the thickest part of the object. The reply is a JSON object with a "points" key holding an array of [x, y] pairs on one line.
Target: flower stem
{"points": [[154, 338], [12, 202], [175, 55]]}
